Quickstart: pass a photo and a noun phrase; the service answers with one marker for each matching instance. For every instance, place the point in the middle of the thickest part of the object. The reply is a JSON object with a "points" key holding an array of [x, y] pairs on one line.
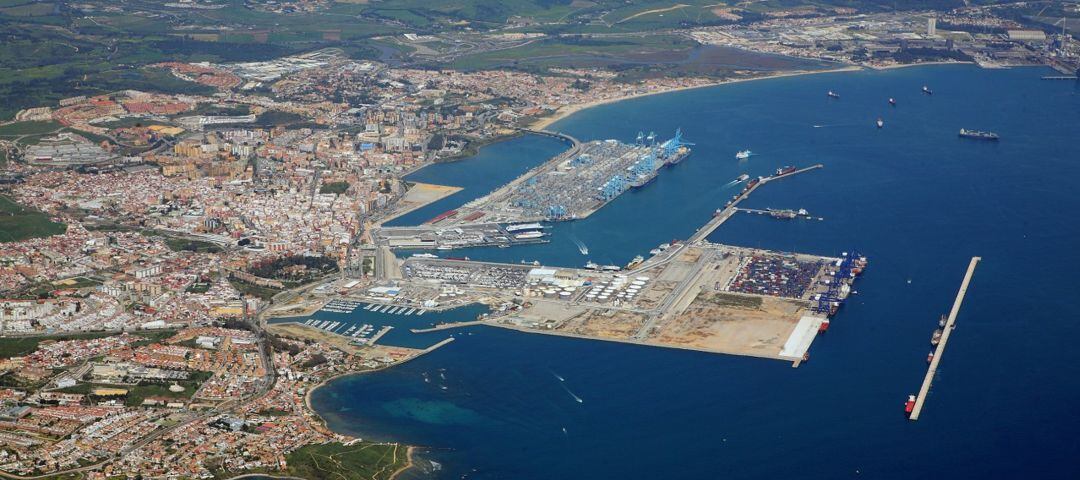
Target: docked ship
{"points": [[978, 135], [743, 155], [930, 357], [936, 337], [635, 262], [523, 227], [529, 235], [784, 170], [742, 178], [941, 323], [927, 90], [592, 266], [909, 406], [643, 179], [833, 94]]}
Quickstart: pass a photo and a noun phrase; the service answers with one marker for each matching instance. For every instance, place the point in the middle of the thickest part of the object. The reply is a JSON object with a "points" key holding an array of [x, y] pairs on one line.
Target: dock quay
{"points": [[450, 237], [785, 214], [950, 323], [722, 215]]}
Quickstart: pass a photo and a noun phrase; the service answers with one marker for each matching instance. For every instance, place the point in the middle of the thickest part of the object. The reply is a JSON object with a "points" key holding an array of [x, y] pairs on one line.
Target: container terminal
{"points": [[690, 294], [574, 184]]}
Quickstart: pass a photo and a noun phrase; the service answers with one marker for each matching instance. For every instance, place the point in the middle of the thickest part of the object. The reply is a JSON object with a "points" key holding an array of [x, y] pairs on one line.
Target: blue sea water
{"points": [[913, 197]]}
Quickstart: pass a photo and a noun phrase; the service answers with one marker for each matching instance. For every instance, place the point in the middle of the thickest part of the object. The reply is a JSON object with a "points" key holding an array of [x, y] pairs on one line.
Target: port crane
{"points": [[833, 296], [672, 145]]}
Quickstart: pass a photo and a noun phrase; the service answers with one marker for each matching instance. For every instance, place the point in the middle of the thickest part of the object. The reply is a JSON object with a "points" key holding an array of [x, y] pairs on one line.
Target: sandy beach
{"points": [[568, 110], [419, 195]]}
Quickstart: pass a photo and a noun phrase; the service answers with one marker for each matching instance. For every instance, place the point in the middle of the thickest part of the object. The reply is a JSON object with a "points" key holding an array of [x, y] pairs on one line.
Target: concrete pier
{"points": [[920, 400]]}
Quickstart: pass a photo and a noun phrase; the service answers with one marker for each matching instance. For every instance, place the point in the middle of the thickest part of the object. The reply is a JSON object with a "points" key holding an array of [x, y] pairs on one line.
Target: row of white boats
{"points": [[394, 310], [360, 332], [349, 306]]}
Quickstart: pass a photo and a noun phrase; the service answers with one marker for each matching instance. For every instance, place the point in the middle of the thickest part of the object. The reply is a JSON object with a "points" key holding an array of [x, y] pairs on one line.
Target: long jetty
{"points": [[557, 135], [733, 207], [920, 401]]}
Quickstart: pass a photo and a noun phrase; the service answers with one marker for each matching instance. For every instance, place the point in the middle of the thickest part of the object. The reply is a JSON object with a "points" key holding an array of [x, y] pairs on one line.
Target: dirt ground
{"points": [[734, 323]]}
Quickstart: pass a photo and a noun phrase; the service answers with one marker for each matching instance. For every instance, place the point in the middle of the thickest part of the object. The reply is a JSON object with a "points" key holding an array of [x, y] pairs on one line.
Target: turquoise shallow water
{"points": [[912, 196]]}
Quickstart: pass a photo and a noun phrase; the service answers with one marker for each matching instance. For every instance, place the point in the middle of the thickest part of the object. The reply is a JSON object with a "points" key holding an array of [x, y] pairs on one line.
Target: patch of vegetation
{"points": [[28, 128], [19, 346], [736, 301], [20, 223], [198, 287], [362, 460], [250, 289], [334, 187], [189, 245], [294, 269]]}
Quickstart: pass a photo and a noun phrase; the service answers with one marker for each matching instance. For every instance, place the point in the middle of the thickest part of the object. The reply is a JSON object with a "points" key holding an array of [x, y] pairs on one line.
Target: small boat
{"points": [[936, 337], [742, 178], [743, 155], [941, 323], [927, 90], [880, 122], [892, 101], [930, 357], [824, 326], [978, 135], [833, 94], [909, 406]]}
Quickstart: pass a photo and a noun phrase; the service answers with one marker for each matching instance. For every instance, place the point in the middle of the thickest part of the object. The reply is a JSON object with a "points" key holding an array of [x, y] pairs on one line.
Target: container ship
{"points": [[643, 179], [965, 133]]}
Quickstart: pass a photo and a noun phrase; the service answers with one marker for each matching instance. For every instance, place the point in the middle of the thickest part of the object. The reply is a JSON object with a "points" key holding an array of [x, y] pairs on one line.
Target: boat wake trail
{"points": [[576, 398], [580, 246]]}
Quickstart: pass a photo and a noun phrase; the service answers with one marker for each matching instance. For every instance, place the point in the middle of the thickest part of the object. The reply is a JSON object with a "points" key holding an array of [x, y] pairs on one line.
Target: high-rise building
{"points": [[931, 26]]}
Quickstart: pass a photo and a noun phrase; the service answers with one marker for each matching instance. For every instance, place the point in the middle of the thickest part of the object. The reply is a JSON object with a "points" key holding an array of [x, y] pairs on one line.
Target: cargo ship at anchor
{"points": [[978, 135]]}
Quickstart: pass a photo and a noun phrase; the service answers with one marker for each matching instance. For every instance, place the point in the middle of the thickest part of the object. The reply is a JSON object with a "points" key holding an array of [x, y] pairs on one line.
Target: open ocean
{"points": [[913, 197]]}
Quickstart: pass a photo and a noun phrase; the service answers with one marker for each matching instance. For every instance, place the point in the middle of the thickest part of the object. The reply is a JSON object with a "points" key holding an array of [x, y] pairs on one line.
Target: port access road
{"points": [[920, 400]]}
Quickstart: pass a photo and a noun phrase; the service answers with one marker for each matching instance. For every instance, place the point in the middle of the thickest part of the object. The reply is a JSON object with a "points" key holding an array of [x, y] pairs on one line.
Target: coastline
{"points": [[568, 110], [920, 64], [542, 123]]}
